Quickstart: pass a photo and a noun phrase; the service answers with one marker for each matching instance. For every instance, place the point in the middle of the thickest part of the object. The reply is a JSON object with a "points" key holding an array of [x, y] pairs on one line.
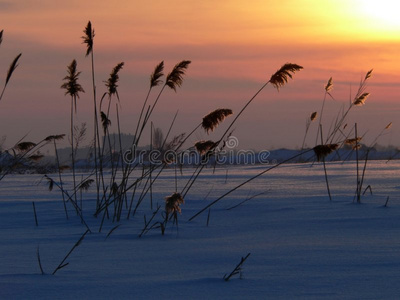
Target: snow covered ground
{"points": [[302, 245]]}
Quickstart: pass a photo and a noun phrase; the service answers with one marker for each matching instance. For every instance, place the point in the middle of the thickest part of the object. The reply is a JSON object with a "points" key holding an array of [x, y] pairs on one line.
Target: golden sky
{"points": [[234, 47]]}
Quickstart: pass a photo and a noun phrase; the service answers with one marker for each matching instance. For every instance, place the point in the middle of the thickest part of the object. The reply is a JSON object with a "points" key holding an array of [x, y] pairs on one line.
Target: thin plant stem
{"points": [[325, 171], [247, 181]]}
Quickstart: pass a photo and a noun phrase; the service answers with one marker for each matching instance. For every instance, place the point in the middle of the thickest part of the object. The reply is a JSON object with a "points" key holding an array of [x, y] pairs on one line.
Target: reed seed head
{"points": [[50, 182], [71, 85], [105, 121], [175, 78], [280, 78], [204, 147], [313, 116], [321, 151], [173, 202], [212, 120], [157, 74], [85, 185], [111, 83], [51, 138], [361, 99], [1, 36], [329, 85], [353, 141], [369, 74], [12, 67], [88, 38], [25, 146], [388, 125]]}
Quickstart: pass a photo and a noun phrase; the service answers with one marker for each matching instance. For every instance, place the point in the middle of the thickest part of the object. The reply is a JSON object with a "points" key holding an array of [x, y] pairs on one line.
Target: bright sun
{"points": [[385, 13]]}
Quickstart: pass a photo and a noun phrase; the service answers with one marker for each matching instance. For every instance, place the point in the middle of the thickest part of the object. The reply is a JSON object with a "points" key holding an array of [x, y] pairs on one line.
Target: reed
{"points": [[278, 80], [309, 120], [88, 39], [54, 138], [73, 88], [11, 69], [213, 119]]}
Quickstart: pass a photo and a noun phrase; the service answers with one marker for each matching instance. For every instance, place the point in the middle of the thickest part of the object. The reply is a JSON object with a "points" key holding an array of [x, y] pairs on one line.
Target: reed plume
{"points": [[1, 36], [50, 183], [321, 151], [112, 81], [73, 88], [204, 147], [329, 85], [313, 116], [212, 120], [175, 78], [388, 125], [156, 75], [88, 38], [10, 71], [353, 141], [51, 138], [85, 185], [105, 122], [12, 67], [361, 99], [369, 74], [71, 85], [25, 146], [173, 202], [280, 78]]}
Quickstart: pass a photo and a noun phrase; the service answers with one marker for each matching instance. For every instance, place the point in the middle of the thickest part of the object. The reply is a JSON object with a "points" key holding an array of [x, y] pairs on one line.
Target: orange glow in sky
{"points": [[234, 47]]}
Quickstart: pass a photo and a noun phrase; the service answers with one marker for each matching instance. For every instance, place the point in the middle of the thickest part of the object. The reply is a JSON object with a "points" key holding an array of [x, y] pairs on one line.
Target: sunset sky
{"points": [[234, 47]]}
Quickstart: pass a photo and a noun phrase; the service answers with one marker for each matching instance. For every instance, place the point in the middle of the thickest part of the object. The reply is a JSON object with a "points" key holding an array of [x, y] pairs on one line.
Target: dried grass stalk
{"points": [[111, 83], [280, 78], [212, 120], [321, 151], [175, 78], [361, 99], [88, 38], [50, 183], [173, 202], [85, 185], [12, 67], [353, 141], [25, 146], [51, 138], [157, 74], [105, 122], [329, 85], [204, 147], [369, 74], [71, 85], [313, 116]]}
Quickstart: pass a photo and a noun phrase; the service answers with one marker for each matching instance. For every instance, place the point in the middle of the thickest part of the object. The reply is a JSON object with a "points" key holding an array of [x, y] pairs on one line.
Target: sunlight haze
{"points": [[234, 47]]}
